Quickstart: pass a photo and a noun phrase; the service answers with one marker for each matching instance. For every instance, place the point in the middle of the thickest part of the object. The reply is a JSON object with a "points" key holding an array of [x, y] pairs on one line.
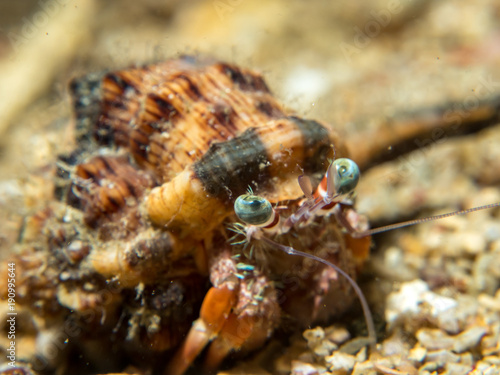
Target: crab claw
{"points": [[214, 311], [240, 333], [237, 315]]}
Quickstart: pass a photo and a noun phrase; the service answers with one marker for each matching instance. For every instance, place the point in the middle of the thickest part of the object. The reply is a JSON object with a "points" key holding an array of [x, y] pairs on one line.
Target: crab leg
{"points": [[239, 333], [214, 311], [239, 313]]}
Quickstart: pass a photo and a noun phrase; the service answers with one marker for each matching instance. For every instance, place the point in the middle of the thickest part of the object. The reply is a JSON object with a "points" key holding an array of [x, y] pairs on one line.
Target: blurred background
{"points": [[354, 65]]}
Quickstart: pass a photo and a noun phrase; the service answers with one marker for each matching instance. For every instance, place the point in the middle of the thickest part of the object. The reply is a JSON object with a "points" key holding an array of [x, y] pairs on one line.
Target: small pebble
{"points": [[468, 339], [355, 345], [437, 303], [417, 354], [338, 335], [472, 243], [301, 368], [489, 302], [362, 355], [457, 369], [394, 345], [317, 342], [434, 339], [364, 368], [340, 361], [313, 336], [407, 300], [483, 368], [428, 367], [467, 358], [324, 348], [492, 359], [442, 357]]}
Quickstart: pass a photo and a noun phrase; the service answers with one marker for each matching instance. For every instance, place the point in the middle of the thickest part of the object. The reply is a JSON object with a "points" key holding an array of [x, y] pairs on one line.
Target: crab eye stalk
{"points": [[345, 175], [253, 210]]}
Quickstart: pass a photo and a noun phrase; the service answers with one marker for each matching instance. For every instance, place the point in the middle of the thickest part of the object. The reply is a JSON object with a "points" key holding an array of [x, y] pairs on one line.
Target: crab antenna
{"points": [[372, 336], [389, 227]]}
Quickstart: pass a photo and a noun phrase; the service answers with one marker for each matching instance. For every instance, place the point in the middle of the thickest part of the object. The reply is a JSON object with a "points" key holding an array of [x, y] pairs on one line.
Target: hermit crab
{"points": [[140, 258]]}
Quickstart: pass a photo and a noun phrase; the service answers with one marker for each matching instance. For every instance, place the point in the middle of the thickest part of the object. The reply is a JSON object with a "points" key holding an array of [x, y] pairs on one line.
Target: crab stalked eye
{"points": [[346, 175], [252, 209]]}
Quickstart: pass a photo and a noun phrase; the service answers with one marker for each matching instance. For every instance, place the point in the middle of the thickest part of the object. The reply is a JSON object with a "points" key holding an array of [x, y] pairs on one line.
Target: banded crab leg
{"points": [[238, 313], [215, 309]]}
